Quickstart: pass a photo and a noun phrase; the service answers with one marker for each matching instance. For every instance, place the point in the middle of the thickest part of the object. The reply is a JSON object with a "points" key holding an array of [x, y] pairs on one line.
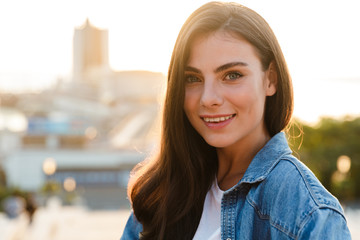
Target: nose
{"points": [[211, 94]]}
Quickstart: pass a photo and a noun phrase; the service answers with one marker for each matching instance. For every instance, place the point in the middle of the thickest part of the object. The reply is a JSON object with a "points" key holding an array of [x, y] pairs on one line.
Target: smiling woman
{"points": [[230, 85], [225, 170]]}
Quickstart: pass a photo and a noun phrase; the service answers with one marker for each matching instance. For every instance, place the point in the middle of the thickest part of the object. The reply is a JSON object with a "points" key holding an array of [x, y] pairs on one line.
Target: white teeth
{"points": [[218, 119]]}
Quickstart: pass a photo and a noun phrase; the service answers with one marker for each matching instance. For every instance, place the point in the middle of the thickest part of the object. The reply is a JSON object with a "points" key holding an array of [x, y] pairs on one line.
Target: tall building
{"points": [[90, 53]]}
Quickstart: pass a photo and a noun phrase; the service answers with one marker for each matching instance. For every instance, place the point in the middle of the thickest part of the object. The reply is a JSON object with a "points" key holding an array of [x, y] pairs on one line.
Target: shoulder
{"points": [[292, 198], [324, 223], [300, 183], [290, 179], [132, 229]]}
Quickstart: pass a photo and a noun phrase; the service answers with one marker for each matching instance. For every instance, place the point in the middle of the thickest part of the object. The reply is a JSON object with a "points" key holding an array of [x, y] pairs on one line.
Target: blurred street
{"points": [[353, 219], [57, 222]]}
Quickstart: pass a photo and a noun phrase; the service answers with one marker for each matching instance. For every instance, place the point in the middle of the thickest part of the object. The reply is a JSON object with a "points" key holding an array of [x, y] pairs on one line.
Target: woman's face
{"points": [[225, 90]]}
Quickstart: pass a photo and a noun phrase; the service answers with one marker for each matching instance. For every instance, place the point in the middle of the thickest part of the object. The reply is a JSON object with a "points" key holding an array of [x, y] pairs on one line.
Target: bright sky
{"points": [[320, 40]]}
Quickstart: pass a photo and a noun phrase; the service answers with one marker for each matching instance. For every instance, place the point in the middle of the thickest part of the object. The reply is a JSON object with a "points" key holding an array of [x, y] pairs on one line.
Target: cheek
{"points": [[187, 102], [188, 107], [259, 104], [249, 100], [190, 102], [242, 97]]}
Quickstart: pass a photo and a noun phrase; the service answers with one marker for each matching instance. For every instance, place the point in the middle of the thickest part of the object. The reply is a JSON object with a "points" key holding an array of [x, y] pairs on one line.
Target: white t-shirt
{"points": [[209, 226]]}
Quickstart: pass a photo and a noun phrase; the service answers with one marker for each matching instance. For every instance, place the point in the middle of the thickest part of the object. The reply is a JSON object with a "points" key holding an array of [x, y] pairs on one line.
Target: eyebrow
{"points": [[219, 69]]}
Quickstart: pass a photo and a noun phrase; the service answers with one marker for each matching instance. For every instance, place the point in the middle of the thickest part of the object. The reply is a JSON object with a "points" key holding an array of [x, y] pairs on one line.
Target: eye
{"points": [[233, 76], [191, 79]]}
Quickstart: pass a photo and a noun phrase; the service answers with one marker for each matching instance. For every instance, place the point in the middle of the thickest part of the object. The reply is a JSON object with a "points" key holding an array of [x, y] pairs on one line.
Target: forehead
{"points": [[220, 47]]}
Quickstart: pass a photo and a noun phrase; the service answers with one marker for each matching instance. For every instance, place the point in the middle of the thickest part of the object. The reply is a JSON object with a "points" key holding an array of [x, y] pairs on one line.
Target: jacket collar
{"points": [[265, 160]]}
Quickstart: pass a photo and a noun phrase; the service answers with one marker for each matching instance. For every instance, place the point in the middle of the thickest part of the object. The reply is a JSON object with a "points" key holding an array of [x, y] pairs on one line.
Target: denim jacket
{"points": [[277, 198]]}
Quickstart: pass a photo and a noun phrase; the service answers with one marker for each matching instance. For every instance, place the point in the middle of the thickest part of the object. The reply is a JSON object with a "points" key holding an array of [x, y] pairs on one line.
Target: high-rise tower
{"points": [[90, 53]]}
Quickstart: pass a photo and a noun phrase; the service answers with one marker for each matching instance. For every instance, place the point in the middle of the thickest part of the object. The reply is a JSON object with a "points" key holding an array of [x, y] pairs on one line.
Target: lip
{"points": [[217, 121]]}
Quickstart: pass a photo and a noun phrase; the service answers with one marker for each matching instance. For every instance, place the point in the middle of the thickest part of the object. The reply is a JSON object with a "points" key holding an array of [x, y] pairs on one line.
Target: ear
{"points": [[271, 79]]}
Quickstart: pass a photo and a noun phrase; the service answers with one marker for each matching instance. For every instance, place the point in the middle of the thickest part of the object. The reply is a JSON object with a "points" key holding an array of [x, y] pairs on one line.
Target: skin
{"points": [[225, 94]]}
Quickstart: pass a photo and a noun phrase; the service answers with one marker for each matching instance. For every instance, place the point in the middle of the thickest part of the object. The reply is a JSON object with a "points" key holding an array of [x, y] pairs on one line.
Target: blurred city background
{"points": [[72, 127]]}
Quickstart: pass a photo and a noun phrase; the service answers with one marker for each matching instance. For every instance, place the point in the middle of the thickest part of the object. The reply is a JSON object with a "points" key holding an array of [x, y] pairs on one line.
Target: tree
{"points": [[320, 146]]}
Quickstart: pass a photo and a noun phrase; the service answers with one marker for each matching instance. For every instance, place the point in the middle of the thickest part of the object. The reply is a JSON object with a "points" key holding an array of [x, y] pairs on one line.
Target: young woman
{"points": [[225, 170]]}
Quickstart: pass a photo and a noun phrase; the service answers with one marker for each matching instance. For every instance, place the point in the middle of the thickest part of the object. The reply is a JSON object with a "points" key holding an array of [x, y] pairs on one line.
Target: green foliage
{"points": [[51, 187], [2, 177], [320, 146]]}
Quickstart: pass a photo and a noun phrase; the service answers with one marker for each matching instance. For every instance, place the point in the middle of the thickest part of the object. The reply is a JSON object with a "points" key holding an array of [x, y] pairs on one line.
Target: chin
{"points": [[217, 143]]}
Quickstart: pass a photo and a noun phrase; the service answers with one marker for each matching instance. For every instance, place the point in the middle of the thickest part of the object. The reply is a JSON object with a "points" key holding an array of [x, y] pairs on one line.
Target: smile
{"points": [[217, 119]]}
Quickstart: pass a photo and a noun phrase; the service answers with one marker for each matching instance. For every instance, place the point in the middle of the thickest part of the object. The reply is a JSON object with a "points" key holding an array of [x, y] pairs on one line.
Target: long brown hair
{"points": [[168, 193]]}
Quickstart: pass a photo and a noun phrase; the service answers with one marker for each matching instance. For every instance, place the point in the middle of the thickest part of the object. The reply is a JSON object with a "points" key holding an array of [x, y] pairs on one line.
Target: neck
{"points": [[235, 159]]}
